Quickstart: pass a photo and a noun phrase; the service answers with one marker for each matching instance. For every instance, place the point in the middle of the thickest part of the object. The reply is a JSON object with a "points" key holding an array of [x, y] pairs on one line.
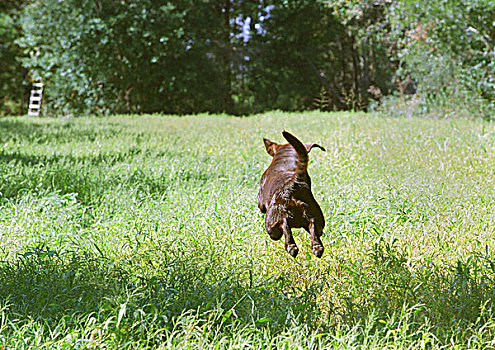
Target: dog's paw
{"points": [[318, 250], [292, 250]]}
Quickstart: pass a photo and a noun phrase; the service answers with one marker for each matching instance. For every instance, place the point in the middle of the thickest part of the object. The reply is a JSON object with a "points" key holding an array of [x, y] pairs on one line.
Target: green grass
{"points": [[144, 232]]}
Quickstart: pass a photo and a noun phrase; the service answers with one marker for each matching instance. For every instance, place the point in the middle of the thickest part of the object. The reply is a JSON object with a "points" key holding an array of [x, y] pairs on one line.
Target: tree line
{"points": [[244, 56]]}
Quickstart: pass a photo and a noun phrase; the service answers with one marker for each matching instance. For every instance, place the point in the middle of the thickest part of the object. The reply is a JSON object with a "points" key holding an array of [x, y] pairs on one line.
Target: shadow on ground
{"points": [[442, 294], [43, 285], [19, 129], [90, 176]]}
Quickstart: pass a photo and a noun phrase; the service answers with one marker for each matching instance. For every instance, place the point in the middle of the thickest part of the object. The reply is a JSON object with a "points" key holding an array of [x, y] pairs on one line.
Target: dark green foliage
{"points": [[291, 52], [129, 56], [13, 84], [247, 56]]}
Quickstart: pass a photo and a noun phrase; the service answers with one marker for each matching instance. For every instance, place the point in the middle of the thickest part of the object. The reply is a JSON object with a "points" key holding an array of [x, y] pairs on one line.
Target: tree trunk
{"points": [[356, 72], [227, 103], [343, 64], [365, 83]]}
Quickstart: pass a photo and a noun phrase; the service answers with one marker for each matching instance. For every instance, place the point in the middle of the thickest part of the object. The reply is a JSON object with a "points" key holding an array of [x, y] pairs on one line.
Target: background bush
{"points": [[448, 48], [13, 87]]}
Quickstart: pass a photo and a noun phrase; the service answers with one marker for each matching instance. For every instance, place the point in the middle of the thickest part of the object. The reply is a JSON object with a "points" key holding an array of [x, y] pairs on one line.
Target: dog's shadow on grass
{"points": [[43, 285], [443, 295]]}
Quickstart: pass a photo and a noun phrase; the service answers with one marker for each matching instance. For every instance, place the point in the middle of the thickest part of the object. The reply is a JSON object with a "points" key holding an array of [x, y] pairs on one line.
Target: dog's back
{"points": [[285, 192], [279, 176]]}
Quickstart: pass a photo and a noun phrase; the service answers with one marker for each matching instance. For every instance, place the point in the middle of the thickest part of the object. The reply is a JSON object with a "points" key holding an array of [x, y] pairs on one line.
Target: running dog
{"points": [[285, 194]]}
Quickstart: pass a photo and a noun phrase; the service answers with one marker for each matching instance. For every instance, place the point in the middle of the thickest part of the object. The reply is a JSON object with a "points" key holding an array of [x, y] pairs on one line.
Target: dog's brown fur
{"points": [[285, 194]]}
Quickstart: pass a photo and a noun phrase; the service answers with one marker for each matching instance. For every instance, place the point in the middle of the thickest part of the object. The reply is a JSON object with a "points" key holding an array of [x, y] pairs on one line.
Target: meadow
{"points": [[137, 232]]}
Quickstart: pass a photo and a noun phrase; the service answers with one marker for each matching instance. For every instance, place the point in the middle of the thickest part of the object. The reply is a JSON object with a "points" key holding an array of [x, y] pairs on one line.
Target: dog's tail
{"points": [[302, 153]]}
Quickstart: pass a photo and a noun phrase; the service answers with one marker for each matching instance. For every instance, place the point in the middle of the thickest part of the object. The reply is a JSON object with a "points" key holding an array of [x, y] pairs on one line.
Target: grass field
{"points": [[144, 232]]}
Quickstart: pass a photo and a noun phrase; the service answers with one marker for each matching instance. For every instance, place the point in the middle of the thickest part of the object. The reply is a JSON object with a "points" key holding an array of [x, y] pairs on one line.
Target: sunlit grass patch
{"points": [[143, 231]]}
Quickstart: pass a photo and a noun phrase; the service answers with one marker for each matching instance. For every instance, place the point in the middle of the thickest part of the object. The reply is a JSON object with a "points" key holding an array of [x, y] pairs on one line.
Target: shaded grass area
{"points": [[129, 232], [137, 309]]}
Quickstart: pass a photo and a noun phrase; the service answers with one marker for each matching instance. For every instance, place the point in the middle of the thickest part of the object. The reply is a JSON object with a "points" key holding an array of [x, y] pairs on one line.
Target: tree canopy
{"points": [[243, 56]]}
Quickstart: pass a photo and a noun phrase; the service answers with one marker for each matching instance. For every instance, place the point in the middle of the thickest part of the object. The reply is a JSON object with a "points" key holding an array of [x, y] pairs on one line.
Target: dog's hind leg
{"points": [[315, 233], [290, 244]]}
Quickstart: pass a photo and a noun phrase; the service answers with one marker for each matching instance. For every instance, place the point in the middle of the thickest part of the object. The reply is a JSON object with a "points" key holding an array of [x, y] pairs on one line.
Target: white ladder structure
{"points": [[35, 100]]}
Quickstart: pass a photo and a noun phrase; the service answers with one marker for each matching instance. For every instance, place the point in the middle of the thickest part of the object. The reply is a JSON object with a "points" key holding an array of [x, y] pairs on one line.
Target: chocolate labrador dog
{"points": [[285, 195]]}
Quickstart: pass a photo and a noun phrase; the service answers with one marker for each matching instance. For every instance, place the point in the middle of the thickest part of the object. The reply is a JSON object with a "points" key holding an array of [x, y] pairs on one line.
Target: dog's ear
{"points": [[271, 147], [309, 146]]}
